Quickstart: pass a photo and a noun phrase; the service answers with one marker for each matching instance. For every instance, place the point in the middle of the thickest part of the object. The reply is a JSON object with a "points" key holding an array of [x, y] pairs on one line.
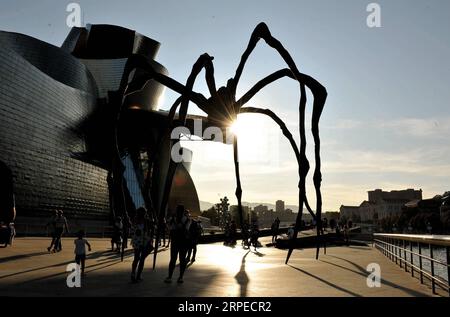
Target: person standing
{"points": [[254, 235], [51, 226], [80, 250], [179, 243], [117, 234], [275, 227], [142, 238], [195, 232], [61, 226]]}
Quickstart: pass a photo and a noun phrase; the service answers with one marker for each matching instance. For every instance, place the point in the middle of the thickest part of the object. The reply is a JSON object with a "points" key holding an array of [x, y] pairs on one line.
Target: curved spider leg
{"points": [[238, 191], [310, 82], [204, 61], [286, 133], [261, 31], [286, 72], [319, 94], [125, 88]]}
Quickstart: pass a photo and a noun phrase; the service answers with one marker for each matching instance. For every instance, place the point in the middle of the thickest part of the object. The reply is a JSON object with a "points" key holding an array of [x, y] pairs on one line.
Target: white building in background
{"points": [[380, 204]]}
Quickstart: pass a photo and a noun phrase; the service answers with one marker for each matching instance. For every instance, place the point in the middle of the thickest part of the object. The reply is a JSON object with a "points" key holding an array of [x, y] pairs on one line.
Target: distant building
{"points": [[380, 204], [287, 216], [387, 204], [330, 215], [367, 211], [279, 206], [265, 216], [260, 209], [248, 215], [348, 212]]}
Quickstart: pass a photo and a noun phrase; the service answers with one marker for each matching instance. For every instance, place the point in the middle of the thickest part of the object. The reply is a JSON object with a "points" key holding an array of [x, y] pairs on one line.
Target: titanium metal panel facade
{"points": [[45, 94], [56, 125]]}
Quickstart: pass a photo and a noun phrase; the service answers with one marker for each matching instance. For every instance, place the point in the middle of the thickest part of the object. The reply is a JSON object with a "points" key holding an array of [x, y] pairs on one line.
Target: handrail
{"points": [[418, 254], [394, 246], [442, 240]]}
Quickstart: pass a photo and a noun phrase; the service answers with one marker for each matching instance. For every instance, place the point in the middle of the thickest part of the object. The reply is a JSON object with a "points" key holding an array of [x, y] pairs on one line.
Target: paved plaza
{"points": [[27, 269]]}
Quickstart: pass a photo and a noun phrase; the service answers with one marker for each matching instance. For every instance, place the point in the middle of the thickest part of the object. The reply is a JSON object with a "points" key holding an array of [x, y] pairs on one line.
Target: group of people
{"points": [[250, 234], [230, 232], [184, 235], [57, 225]]}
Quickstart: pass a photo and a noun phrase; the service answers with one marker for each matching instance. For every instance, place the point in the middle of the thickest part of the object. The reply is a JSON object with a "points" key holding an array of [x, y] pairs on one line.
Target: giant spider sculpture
{"points": [[222, 109]]}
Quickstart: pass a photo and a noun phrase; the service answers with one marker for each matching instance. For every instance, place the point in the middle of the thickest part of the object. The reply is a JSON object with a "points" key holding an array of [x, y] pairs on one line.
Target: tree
{"points": [[213, 215]]}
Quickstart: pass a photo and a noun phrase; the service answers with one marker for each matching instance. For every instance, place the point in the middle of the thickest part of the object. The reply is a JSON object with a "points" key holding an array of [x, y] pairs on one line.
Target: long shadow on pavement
{"points": [[22, 256], [325, 281], [364, 273], [242, 278]]}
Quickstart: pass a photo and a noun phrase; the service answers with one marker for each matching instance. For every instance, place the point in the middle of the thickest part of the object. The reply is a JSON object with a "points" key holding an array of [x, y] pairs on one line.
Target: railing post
{"points": [[395, 250], [447, 249], [433, 286], [389, 246], [420, 262], [404, 255], [412, 258]]}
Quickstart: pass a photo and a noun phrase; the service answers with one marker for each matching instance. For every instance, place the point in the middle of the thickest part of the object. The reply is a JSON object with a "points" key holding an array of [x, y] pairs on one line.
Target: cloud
{"points": [[420, 127], [416, 127], [421, 160]]}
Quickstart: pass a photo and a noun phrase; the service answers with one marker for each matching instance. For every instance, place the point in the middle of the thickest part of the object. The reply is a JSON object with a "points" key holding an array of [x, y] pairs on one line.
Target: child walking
{"points": [[80, 250]]}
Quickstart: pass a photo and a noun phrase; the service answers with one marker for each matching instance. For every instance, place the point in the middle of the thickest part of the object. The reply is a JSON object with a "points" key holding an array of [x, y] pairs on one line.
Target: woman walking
{"points": [[142, 234], [179, 242]]}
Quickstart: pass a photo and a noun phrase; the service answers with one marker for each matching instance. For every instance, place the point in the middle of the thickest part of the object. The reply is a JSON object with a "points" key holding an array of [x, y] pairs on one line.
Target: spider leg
{"points": [[253, 91], [287, 134], [204, 61], [125, 88], [319, 94], [238, 191]]}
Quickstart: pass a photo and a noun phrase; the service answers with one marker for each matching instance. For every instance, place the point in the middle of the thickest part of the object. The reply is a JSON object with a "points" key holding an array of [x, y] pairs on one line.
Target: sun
{"points": [[237, 127], [252, 133], [246, 126]]}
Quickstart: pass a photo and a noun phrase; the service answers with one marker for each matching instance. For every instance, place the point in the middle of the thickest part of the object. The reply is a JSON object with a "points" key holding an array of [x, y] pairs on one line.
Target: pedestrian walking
{"points": [[61, 227], [80, 250], [195, 232], [274, 228], [179, 243], [142, 228], [116, 239]]}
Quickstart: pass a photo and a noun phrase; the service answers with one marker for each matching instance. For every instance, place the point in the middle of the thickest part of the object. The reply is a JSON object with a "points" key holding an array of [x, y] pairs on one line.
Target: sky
{"points": [[386, 123]]}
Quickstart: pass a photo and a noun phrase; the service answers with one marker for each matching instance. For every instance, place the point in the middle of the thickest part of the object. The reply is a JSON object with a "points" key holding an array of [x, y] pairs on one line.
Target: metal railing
{"points": [[403, 248]]}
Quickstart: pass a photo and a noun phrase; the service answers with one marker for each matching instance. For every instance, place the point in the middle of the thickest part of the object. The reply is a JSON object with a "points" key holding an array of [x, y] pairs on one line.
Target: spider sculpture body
{"points": [[222, 108]]}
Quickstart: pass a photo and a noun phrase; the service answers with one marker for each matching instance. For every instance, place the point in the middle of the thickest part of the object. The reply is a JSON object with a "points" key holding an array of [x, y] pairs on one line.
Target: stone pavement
{"points": [[27, 269]]}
